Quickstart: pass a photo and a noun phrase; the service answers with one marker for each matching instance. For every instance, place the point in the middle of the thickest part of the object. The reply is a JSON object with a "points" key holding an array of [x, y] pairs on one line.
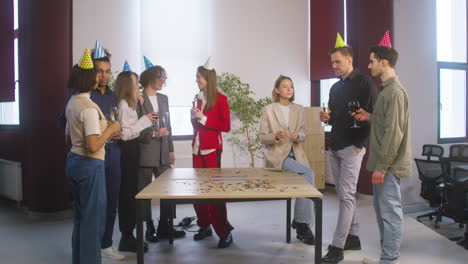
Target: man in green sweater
{"points": [[390, 153]]}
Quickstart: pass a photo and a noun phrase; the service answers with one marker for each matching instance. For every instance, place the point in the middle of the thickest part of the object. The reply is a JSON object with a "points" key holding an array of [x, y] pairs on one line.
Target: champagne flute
{"points": [[353, 106]]}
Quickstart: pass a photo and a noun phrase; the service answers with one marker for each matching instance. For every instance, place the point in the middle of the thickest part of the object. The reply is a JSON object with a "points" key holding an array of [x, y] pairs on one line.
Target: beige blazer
{"points": [[272, 121]]}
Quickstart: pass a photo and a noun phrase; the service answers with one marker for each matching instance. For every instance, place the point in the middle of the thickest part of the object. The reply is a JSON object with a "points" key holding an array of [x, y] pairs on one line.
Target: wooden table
{"points": [[183, 185]]}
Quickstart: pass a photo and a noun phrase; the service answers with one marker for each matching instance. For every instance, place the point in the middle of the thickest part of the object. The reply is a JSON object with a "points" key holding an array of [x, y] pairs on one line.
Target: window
{"points": [[181, 45], [452, 70], [9, 112], [326, 84]]}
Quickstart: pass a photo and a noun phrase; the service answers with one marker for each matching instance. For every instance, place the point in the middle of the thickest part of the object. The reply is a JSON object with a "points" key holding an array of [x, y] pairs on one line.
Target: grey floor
{"points": [[259, 237]]}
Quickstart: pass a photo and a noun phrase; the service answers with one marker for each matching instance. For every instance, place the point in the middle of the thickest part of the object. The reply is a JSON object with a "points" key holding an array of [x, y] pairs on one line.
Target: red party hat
{"points": [[386, 40]]}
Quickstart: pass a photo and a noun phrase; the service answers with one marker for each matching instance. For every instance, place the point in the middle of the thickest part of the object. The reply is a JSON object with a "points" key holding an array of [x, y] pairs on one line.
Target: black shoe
{"points": [[225, 242], [304, 233], [150, 234], [203, 233], [163, 231], [129, 243], [334, 255], [352, 243]]}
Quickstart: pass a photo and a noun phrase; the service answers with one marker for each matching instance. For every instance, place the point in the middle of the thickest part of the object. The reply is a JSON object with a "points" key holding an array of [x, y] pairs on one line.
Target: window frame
{"points": [[450, 66]]}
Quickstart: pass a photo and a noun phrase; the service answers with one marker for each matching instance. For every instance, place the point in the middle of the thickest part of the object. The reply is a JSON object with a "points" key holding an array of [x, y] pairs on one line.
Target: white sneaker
{"points": [[111, 253], [372, 261]]}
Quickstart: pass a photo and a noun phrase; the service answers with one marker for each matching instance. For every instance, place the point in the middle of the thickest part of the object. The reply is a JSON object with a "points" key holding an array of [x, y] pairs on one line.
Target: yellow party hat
{"points": [[339, 41], [86, 62]]}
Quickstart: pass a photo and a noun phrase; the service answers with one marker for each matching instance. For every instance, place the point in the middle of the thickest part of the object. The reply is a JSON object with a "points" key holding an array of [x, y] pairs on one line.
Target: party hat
{"points": [[386, 40], [148, 63], [339, 41], [98, 51], [85, 61], [208, 64], [126, 67]]}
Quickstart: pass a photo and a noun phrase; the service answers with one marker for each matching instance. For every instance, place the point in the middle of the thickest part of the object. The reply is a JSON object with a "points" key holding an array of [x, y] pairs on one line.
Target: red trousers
{"points": [[214, 214]]}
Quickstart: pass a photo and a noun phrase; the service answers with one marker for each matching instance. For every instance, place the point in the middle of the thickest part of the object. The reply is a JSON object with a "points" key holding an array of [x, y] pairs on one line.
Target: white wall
{"points": [[257, 40], [415, 41], [115, 24]]}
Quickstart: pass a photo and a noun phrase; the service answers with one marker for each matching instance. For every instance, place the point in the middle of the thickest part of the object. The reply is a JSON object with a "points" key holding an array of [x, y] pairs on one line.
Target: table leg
{"points": [[288, 221], [318, 230], [171, 220], [139, 229]]}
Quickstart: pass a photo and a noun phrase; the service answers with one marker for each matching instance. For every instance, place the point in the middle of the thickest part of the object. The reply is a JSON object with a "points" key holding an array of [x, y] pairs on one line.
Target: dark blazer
{"points": [[154, 152]]}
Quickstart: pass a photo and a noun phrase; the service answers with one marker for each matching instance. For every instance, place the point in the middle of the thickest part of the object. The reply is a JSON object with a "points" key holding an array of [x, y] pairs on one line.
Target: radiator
{"points": [[10, 180], [183, 162]]}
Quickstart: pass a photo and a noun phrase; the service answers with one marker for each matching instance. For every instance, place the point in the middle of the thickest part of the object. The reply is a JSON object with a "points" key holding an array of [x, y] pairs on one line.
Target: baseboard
{"points": [[415, 208]]}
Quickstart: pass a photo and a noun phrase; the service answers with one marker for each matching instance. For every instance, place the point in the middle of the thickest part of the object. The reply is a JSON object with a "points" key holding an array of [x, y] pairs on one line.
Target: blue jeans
{"points": [[113, 178], [302, 206], [387, 205], [87, 184]]}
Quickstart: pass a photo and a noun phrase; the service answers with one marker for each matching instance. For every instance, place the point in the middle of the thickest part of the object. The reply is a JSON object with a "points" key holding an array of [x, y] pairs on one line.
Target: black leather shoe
{"points": [[150, 234], [128, 243], [334, 255], [225, 242], [352, 243], [203, 233], [163, 231], [304, 233]]}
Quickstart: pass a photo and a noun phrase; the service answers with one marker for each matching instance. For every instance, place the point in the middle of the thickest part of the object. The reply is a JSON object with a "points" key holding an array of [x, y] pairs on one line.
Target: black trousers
{"points": [[128, 188]]}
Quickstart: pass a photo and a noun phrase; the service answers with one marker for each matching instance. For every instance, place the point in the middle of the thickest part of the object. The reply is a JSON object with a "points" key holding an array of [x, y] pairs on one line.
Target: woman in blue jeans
{"points": [[282, 131], [86, 133]]}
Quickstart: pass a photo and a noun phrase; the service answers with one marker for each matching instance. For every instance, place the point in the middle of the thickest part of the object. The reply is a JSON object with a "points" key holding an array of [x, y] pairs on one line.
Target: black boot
{"points": [[163, 231], [226, 241], [203, 233], [304, 233], [150, 234], [334, 255], [128, 243]]}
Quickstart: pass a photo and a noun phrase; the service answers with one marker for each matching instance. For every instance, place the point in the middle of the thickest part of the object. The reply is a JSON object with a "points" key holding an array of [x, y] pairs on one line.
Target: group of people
{"points": [[119, 140], [110, 161]]}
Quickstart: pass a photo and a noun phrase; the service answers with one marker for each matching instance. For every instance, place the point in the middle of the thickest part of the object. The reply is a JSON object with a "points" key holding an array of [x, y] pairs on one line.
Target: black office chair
{"points": [[431, 176], [458, 152], [432, 151], [456, 200]]}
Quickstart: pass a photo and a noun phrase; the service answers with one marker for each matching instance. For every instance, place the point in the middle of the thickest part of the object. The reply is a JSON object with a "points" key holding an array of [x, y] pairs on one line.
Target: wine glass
{"points": [[164, 118], [156, 123], [353, 106], [326, 110], [285, 130], [113, 114]]}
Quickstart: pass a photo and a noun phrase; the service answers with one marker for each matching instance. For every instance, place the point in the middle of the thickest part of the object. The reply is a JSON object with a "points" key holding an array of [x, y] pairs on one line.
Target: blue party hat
{"points": [[98, 51], [148, 63], [126, 67]]}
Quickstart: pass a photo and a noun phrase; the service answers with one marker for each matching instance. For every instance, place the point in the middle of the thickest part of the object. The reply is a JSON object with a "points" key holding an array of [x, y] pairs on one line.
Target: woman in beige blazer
{"points": [[282, 131]]}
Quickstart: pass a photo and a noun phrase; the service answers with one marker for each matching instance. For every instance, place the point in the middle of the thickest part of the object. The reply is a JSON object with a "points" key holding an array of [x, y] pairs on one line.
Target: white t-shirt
{"points": [[285, 110], [90, 119], [154, 102]]}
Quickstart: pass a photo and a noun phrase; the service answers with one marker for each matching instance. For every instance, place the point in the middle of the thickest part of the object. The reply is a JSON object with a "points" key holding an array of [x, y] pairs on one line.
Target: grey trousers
{"points": [[145, 177], [345, 165]]}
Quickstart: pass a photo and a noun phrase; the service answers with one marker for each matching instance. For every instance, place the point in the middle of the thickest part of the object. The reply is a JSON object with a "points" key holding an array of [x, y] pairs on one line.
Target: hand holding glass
{"points": [[353, 106]]}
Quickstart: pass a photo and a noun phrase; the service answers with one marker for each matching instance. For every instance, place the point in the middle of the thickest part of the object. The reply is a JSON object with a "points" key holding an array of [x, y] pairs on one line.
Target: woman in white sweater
{"points": [[127, 91]]}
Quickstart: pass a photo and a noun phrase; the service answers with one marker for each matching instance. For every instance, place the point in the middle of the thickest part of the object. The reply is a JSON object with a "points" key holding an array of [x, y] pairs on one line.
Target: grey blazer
{"points": [[154, 152]]}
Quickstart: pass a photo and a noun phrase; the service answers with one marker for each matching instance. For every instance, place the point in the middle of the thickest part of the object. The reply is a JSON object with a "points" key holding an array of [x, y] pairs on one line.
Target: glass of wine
{"points": [[156, 123], [326, 110], [113, 114], [285, 130], [353, 106]]}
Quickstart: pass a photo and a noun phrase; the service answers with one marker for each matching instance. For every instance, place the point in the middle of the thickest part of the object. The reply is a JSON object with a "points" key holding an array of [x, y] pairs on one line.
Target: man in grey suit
{"points": [[156, 147]]}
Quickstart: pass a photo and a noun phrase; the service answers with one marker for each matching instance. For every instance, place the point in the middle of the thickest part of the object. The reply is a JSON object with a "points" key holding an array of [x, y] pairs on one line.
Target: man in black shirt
{"points": [[346, 146]]}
